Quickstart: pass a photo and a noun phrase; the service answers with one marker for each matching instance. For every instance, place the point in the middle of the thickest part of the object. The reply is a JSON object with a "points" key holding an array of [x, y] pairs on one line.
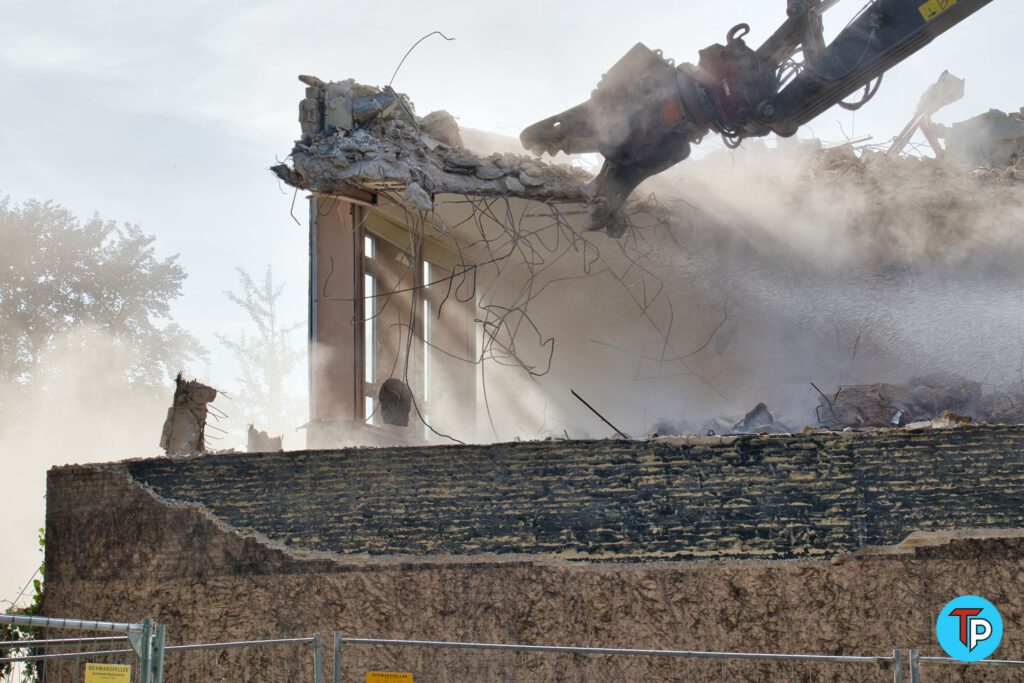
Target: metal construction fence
{"points": [[39, 649], [699, 665], [48, 650], [948, 669], [508, 663]]}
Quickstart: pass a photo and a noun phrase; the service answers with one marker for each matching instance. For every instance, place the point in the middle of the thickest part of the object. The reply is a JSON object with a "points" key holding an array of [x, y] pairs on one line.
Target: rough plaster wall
{"points": [[116, 550], [862, 607], [865, 606], [772, 497]]}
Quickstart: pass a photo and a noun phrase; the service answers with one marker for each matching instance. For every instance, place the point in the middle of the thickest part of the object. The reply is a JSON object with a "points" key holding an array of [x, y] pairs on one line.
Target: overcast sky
{"points": [[168, 114]]}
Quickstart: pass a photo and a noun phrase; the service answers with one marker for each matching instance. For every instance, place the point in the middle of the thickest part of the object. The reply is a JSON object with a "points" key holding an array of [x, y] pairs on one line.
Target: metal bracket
{"points": [[135, 639]]}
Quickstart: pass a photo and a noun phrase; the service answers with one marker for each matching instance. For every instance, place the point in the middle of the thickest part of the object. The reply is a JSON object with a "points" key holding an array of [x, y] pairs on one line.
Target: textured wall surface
{"points": [[783, 496], [115, 550]]}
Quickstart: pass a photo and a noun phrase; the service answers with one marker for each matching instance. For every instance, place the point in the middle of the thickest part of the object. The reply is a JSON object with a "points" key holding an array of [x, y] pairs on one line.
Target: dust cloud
{"points": [[786, 267], [781, 269], [843, 270], [81, 407]]}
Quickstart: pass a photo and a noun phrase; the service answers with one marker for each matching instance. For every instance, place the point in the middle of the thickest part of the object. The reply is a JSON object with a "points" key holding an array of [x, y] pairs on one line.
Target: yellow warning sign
{"points": [[934, 8], [387, 677], [108, 673]]}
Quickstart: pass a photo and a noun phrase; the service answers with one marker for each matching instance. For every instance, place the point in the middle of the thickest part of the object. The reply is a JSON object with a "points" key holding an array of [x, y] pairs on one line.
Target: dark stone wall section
{"points": [[771, 497]]}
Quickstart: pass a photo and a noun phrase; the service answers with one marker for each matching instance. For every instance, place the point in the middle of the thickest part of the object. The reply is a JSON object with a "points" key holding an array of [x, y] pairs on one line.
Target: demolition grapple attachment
{"points": [[646, 112]]}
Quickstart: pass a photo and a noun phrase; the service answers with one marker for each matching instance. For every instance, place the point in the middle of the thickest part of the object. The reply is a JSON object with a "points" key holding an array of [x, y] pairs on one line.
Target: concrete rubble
{"points": [[993, 139], [759, 420], [935, 401], [357, 136], [843, 162]]}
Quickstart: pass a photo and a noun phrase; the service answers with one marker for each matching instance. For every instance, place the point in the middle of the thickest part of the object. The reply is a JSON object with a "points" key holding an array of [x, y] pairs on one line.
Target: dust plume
{"points": [[840, 270], [784, 267], [81, 407]]}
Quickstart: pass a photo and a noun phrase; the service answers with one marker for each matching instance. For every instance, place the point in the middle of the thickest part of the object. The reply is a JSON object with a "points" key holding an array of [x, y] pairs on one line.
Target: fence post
{"points": [[157, 664], [318, 658], [897, 666], [339, 640], [915, 667], [146, 651]]}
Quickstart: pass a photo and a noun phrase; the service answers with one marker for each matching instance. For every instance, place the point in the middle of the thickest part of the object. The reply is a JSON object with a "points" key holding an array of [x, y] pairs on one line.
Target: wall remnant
{"points": [[185, 426], [181, 541], [259, 441], [771, 496]]}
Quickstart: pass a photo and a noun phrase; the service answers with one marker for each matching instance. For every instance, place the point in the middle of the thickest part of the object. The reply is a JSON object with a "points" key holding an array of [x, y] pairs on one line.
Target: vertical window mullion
{"points": [[427, 324], [369, 329]]}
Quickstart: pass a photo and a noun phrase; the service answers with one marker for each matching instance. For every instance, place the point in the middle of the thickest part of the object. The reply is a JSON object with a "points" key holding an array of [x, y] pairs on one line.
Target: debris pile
{"points": [[881, 209], [835, 163], [992, 139], [938, 398], [758, 421], [357, 136]]}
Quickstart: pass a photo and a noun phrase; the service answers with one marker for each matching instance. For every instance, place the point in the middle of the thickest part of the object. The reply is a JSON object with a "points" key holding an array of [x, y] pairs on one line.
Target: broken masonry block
{"points": [[371, 106], [417, 199], [443, 127], [338, 107]]}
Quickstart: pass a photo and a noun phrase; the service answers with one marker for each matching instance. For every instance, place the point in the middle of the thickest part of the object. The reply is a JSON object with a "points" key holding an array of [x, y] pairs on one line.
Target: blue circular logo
{"points": [[969, 628]]}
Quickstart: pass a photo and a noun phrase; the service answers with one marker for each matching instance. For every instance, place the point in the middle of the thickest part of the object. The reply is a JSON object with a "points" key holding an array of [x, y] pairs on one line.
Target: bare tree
{"points": [[267, 358]]}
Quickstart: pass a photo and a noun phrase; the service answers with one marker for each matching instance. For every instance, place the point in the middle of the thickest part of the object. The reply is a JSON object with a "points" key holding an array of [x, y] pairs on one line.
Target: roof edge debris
{"points": [[357, 136]]}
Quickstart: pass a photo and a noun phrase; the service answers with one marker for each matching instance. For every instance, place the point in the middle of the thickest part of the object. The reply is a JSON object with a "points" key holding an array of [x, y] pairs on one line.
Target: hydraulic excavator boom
{"points": [[646, 112]]}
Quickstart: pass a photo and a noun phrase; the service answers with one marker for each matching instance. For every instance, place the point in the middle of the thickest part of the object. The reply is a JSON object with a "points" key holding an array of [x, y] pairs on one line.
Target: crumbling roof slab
{"points": [[361, 137]]}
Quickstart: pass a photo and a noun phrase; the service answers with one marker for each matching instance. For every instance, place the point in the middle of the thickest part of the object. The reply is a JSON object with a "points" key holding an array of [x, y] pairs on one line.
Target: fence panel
{"points": [[948, 670], [451, 662], [273, 659], [46, 650]]}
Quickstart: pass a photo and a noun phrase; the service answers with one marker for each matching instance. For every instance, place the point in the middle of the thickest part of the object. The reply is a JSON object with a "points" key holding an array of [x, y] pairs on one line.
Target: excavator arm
{"points": [[646, 112]]}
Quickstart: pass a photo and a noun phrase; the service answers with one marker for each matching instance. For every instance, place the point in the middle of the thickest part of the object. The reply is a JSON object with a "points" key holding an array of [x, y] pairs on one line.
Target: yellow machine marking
{"points": [[934, 8]]}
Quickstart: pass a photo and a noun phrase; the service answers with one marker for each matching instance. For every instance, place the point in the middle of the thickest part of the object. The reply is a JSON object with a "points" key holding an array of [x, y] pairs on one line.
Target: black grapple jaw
{"points": [[634, 118]]}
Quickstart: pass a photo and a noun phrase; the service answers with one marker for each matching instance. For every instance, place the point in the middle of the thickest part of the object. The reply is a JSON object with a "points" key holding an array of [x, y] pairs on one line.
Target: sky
{"points": [[168, 115]]}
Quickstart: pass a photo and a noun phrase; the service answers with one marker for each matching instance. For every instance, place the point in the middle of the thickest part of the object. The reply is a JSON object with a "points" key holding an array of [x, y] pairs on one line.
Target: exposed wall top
{"points": [[779, 496]]}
